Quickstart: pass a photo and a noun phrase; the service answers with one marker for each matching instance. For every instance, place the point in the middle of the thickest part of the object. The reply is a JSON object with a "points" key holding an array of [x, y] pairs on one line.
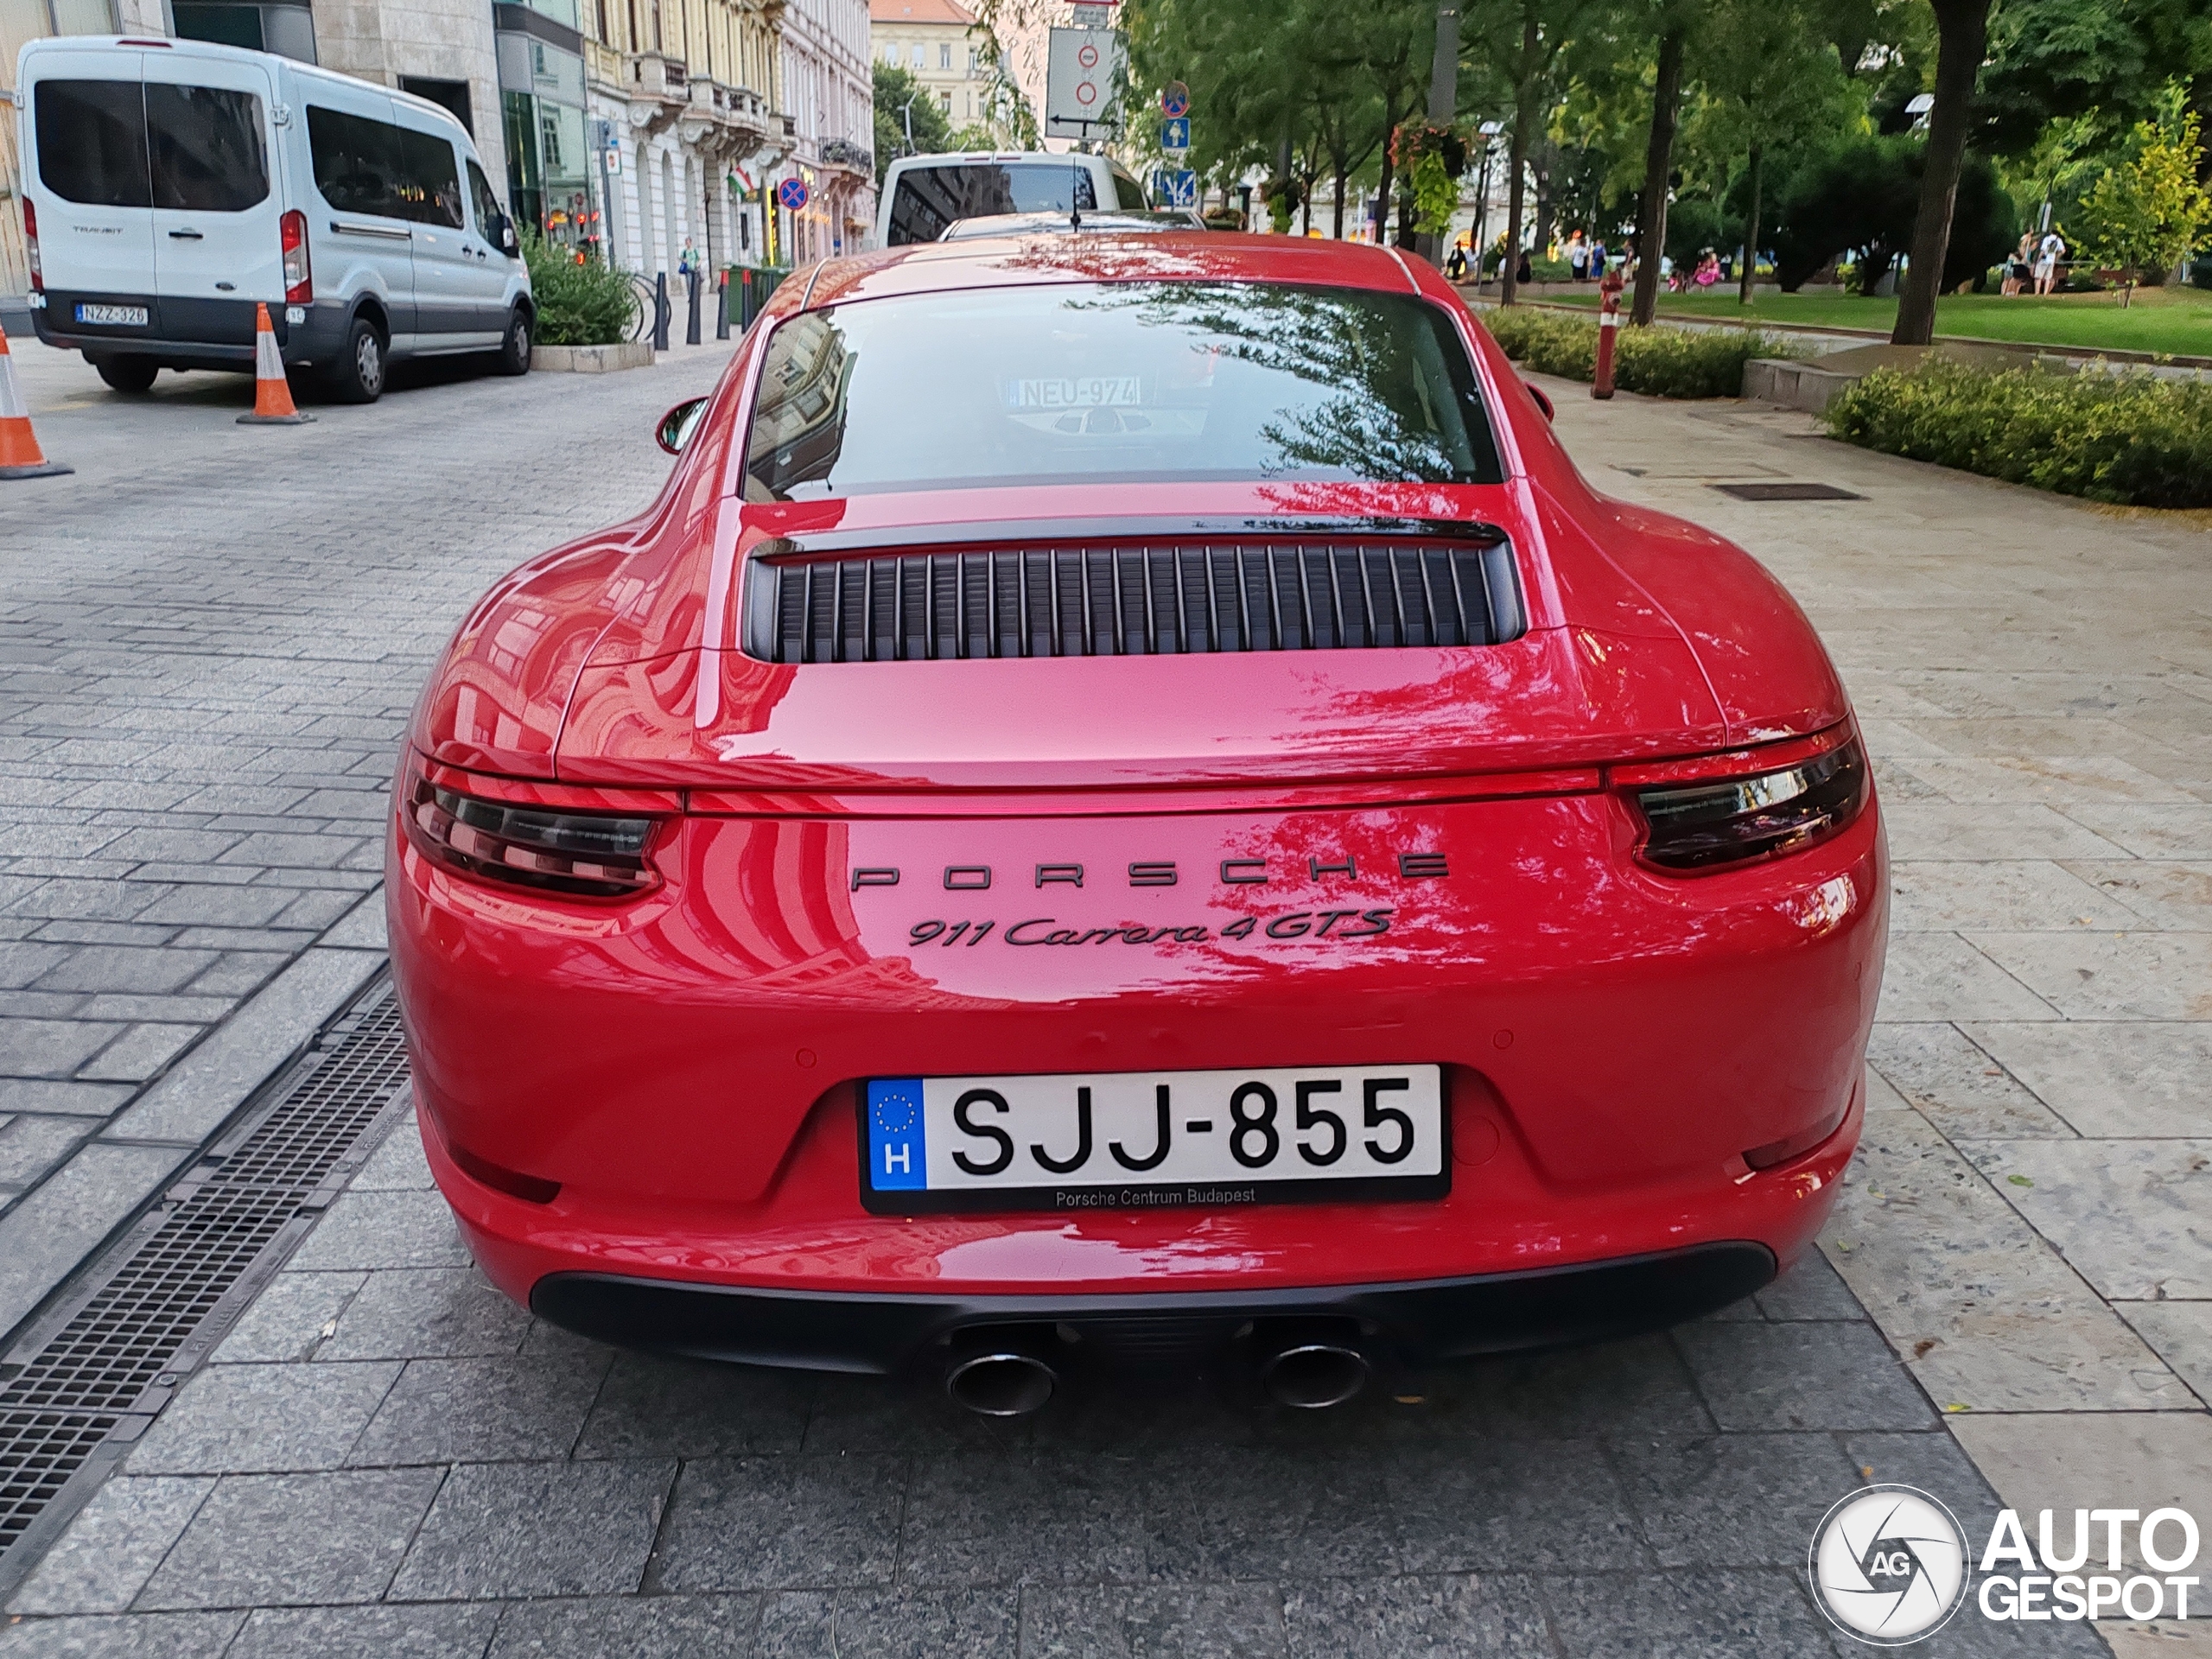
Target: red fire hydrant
{"points": [[1609, 325]]}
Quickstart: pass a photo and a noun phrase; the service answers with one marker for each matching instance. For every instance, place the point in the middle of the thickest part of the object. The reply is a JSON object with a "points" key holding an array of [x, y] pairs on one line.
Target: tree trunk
{"points": [[1658, 161], [1340, 177], [1752, 232], [1524, 114], [1963, 31], [1443, 103]]}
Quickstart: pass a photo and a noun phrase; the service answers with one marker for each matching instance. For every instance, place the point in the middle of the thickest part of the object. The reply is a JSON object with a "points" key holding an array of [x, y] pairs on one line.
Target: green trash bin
{"points": [[749, 290]]}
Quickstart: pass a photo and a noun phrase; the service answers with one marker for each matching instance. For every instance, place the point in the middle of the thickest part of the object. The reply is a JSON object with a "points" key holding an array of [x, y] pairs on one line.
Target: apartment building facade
{"points": [[930, 39], [831, 102]]}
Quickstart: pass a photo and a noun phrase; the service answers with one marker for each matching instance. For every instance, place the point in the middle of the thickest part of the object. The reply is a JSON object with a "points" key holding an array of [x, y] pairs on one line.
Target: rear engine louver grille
{"points": [[1129, 601]]}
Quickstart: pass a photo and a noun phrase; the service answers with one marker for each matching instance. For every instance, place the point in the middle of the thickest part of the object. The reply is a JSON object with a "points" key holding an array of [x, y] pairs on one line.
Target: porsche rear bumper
{"points": [[678, 1078]]}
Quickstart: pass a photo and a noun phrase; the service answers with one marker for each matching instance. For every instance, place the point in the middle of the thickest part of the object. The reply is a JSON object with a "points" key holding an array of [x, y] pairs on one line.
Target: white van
{"points": [[169, 185], [922, 195]]}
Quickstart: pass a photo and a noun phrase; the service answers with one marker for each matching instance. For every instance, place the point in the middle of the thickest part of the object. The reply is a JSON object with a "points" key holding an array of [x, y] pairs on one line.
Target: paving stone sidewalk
{"points": [[210, 638], [388, 1456]]}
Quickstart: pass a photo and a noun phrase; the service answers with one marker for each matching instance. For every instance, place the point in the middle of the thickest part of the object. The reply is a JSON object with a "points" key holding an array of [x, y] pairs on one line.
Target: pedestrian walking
{"points": [[2017, 265], [1578, 256], [2048, 254], [1455, 262], [688, 261]]}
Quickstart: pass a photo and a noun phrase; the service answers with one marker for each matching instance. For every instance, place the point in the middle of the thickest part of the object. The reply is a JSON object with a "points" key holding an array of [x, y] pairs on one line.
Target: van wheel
{"points": [[358, 375], [131, 374], [514, 350]]}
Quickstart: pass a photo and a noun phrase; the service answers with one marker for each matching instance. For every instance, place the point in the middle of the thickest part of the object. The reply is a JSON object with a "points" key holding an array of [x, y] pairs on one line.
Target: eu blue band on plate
{"points": [[898, 1155]]}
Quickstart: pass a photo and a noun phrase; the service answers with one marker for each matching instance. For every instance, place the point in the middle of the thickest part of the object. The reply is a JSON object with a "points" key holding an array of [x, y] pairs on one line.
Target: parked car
{"points": [[1132, 804], [1103, 222], [924, 194], [171, 186]]}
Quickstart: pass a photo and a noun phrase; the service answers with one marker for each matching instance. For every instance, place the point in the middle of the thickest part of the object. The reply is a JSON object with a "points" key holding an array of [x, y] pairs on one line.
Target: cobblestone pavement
{"points": [[210, 638], [387, 1457]]}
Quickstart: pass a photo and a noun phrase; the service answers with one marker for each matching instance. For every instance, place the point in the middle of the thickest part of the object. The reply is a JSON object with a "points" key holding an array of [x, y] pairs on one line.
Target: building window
{"points": [[946, 99], [918, 54], [971, 63], [944, 54]]}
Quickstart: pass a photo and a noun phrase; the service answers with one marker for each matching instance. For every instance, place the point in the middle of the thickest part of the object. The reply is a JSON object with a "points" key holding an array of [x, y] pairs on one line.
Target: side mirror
{"points": [[1542, 401], [675, 429], [510, 244]]}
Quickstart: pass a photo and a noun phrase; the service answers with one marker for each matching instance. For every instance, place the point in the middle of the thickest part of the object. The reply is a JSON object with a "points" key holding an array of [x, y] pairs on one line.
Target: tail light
{"points": [[1697, 826], [299, 277], [596, 855], [30, 242]]}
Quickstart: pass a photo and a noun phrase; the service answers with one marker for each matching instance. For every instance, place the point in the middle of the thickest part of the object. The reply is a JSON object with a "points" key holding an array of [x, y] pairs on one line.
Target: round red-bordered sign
{"points": [[1087, 55], [792, 193]]}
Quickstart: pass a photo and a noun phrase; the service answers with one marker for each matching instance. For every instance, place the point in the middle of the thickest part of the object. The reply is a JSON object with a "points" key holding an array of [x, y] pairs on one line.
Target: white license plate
{"points": [[119, 316], [1153, 1139]]}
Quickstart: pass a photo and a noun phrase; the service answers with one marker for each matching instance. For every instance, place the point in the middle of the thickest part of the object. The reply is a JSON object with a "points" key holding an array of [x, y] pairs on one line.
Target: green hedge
{"points": [[2127, 438], [1660, 362], [584, 304]]}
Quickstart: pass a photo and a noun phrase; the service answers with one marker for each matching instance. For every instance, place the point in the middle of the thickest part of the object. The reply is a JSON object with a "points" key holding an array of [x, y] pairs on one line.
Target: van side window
{"points": [[205, 144], [430, 184], [1128, 191], [92, 142], [356, 161], [488, 211]]}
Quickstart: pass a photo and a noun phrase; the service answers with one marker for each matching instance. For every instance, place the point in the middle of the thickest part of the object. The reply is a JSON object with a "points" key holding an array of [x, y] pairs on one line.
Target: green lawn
{"points": [[2173, 319]]}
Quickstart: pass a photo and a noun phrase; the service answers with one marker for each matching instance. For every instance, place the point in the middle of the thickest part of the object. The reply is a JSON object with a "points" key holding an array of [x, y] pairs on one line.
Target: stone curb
{"points": [[592, 359]]}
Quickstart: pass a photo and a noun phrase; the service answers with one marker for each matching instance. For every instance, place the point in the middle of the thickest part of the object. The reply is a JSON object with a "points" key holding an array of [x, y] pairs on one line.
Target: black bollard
{"points": [[660, 311], [721, 306], [691, 324]]}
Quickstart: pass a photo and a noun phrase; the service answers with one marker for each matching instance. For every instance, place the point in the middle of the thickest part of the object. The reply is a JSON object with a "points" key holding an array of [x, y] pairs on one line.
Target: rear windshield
{"points": [[127, 143], [1120, 382], [930, 198]]}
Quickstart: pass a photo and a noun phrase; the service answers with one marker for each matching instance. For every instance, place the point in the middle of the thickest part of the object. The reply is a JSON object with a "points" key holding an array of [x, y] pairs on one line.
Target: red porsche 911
{"points": [[1128, 804]]}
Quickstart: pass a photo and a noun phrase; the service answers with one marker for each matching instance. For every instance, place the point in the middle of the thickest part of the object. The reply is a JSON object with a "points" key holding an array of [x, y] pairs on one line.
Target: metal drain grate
{"points": [[120, 1349], [1787, 492]]}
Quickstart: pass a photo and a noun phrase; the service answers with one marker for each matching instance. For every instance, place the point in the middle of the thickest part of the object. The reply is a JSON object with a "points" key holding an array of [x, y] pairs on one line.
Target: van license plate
{"points": [[114, 316]]}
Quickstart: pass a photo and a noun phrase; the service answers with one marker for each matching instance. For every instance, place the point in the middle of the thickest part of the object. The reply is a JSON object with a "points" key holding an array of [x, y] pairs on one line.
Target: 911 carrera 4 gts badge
{"points": [[1334, 925]]}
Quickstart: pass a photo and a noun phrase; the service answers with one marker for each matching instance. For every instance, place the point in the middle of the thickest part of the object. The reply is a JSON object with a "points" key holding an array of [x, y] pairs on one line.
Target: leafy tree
{"points": [[2147, 212], [1865, 195], [1962, 30], [1516, 46], [1673, 22], [1770, 79], [897, 92]]}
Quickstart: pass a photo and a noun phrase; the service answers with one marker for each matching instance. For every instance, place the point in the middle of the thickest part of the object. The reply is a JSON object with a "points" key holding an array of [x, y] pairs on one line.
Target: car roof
{"points": [[955, 157], [1100, 221], [1140, 256], [187, 48]]}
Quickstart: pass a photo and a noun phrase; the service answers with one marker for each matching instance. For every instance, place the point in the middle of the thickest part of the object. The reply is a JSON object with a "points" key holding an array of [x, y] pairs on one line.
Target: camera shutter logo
{"points": [[1889, 1565]]}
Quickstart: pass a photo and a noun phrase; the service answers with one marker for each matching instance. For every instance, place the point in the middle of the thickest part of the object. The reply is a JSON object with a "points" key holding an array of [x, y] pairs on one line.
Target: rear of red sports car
{"points": [[1127, 793]]}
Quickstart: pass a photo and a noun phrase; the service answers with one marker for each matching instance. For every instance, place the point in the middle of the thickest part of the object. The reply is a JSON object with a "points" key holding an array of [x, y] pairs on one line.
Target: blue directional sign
{"points": [[1175, 135], [1176, 187]]}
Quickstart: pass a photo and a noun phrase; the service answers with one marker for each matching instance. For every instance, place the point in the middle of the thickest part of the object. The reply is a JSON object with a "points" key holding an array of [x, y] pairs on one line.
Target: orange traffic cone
{"points": [[20, 455], [272, 396]]}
